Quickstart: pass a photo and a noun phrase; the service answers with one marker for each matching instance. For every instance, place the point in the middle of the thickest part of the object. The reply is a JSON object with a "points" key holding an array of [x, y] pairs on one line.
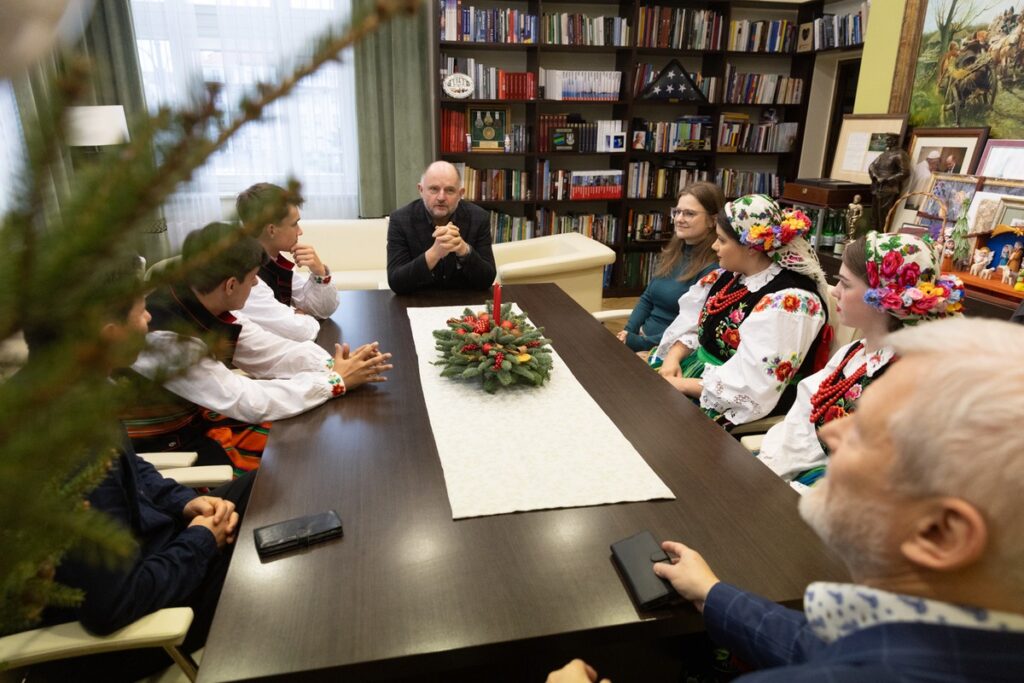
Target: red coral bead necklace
{"points": [[830, 391]]}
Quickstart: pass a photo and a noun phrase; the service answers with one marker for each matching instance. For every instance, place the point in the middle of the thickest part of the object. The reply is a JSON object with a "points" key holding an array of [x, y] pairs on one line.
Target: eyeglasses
{"points": [[685, 214]]}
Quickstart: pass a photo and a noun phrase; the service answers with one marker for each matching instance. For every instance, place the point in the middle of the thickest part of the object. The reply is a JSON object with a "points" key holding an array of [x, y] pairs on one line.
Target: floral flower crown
{"points": [[762, 225], [903, 280]]}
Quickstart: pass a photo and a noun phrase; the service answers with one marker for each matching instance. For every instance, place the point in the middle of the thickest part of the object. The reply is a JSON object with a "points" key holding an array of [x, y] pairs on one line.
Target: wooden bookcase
{"points": [[531, 57]]}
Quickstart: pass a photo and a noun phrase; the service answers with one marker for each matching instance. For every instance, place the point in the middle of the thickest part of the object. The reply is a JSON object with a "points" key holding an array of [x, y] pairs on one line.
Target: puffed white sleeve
{"points": [[684, 328], [185, 368], [316, 296], [792, 446], [264, 354], [262, 308], [774, 340]]}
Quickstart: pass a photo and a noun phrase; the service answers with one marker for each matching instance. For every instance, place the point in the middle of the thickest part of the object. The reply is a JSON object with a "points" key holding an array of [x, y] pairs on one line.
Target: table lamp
{"points": [[96, 126]]}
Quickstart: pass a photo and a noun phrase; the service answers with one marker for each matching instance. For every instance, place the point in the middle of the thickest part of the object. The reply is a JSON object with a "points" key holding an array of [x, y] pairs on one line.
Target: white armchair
{"points": [[572, 261], [165, 628], [178, 466]]}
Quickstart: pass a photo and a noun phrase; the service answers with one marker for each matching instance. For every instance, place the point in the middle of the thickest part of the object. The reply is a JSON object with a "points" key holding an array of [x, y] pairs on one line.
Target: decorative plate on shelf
{"points": [[458, 86]]}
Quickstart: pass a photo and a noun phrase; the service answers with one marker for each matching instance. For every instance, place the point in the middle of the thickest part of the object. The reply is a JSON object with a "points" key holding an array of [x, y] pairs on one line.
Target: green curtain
{"points": [[32, 90], [109, 42], [394, 105]]}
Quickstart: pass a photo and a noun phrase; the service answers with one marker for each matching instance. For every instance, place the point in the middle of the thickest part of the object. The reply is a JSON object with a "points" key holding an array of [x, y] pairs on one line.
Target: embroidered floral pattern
{"points": [[762, 225], [711, 278], [783, 369], [903, 280], [337, 386], [791, 302], [727, 332]]}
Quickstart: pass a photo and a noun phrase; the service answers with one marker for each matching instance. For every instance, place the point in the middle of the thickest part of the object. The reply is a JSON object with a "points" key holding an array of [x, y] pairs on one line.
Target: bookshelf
{"points": [[777, 77]]}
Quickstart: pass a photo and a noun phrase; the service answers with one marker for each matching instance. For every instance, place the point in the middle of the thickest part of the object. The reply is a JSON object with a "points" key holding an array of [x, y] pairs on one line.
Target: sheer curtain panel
{"points": [[311, 134]]}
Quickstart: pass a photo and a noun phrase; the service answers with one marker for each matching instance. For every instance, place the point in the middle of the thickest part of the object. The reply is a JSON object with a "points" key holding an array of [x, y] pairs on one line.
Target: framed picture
{"points": [[861, 141], [487, 127], [1010, 214], [639, 139], [1003, 186], [942, 150], [953, 190], [1003, 159]]}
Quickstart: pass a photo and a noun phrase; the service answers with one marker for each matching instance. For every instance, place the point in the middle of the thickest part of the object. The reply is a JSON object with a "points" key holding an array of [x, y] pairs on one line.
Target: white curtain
{"points": [[12, 149], [311, 134]]}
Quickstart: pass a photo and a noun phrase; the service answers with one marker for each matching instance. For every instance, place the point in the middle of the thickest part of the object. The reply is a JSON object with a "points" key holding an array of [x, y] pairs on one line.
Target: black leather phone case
{"points": [[297, 533], [635, 557]]}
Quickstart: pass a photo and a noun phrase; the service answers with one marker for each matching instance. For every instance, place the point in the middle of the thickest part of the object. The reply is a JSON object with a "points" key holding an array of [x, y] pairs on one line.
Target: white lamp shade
{"points": [[96, 126]]}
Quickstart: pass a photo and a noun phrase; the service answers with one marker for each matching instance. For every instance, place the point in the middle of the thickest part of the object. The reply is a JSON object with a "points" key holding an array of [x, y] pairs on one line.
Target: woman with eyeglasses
{"points": [[686, 258], [749, 331]]}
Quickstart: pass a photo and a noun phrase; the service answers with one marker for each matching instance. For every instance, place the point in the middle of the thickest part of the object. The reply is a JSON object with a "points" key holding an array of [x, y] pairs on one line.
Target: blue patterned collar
{"points": [[836, 610]]}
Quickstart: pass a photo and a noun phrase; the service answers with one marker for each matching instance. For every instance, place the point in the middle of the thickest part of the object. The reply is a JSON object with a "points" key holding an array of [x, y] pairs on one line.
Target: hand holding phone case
{"points": [[297, 533], [636, 557]]}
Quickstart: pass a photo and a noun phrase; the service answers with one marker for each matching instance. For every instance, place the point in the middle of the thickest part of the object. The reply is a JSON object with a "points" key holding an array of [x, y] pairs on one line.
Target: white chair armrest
{"points": [[757, 426], [166, 627], [752, 442], [614, 314], [163, 461], [196, 477]]}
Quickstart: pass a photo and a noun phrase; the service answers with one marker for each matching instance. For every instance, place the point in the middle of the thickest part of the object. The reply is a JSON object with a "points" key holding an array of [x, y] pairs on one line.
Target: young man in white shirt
{"points": [[192, 396], [285, 301]]}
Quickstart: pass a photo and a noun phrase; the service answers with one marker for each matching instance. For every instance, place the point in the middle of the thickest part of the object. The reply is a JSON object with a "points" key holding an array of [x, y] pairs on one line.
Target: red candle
{"points": [[496, 306]]}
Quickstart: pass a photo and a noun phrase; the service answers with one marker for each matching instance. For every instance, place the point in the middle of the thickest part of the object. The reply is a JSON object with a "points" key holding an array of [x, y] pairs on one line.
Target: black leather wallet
{"points": [[635, 557], [297, 533]]}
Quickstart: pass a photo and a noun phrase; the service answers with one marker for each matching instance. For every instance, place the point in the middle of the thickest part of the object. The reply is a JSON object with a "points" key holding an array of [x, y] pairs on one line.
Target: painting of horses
{"points": [[970, 68]]}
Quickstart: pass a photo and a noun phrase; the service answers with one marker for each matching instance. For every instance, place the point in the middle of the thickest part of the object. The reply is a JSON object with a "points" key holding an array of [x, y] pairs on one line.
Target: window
{"points": [[12, 149], [311, 134]]}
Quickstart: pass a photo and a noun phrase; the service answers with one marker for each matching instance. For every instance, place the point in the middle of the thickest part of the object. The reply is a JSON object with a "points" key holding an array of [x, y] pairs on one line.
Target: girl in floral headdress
{"points": [[885, 282], [747, 332]]}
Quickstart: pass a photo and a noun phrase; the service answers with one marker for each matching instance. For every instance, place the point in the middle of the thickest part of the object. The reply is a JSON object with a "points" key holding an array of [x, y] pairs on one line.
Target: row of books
{"points": [[648, 227], [645, 74], [495, 184], [505, 228], [565, 184], [596, 136], [778, 35], [839, 30], [601, 227], [455, 138], [557, 84], [652, 181], [638, 268], [491, 83], [686, 133], [579, 29], [741, 88], [736, 183], [679, 28], [472, 25], [736, 133]]}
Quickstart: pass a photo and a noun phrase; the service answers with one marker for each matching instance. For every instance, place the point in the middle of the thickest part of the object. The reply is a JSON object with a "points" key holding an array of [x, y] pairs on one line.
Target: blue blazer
{"points": [[780, 643]]}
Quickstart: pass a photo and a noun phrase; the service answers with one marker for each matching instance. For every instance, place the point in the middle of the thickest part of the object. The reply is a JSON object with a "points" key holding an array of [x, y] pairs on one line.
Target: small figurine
{"points": [[1004, 256], [1016, 256], [854, 212], [947, 251], [982, 257], [889, 173]]}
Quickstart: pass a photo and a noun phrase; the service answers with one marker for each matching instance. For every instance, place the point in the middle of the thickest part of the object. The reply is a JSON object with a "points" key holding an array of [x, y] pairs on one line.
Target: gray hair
{"points": [[959, 433]]}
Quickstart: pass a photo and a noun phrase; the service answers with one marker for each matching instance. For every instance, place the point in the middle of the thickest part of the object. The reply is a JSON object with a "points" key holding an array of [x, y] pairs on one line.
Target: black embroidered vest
{"points": [[277, 273]]}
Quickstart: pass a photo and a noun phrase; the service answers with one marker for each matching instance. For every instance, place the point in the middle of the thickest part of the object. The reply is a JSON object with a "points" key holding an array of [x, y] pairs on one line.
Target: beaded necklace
{"points": [[723, 299], [833, 388]]}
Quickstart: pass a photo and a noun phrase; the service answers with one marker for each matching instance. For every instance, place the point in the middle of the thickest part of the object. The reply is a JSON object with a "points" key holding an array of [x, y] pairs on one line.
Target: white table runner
{"points": [[524, 448]]}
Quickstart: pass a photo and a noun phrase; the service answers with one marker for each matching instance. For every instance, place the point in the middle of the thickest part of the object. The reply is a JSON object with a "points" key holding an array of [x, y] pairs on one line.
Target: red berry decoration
{"points": [[533, 344], [469, 347], [460, 331], [487, 347], [499, 358], [482, 327], [507, 324]]}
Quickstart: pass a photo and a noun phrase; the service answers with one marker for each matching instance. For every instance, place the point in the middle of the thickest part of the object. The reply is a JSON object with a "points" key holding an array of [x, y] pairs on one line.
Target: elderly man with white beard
{"points": [[922, 501]]}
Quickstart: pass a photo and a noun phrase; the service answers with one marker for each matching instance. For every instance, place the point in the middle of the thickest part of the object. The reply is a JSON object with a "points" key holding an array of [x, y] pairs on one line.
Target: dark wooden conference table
{"points": [[408, 593]]}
